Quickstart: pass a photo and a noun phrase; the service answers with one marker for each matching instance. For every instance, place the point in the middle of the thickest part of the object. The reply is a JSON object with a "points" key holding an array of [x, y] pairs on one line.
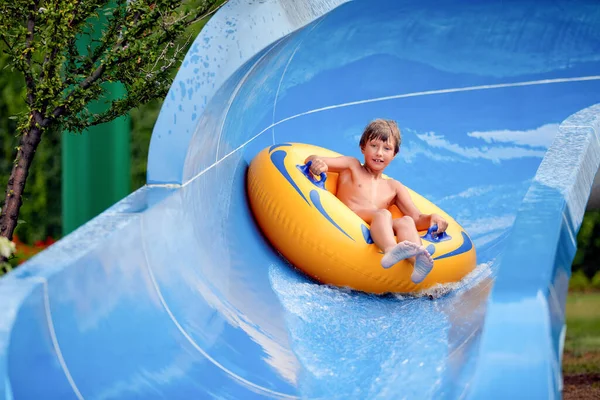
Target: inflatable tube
{"points": [[304, 220]]}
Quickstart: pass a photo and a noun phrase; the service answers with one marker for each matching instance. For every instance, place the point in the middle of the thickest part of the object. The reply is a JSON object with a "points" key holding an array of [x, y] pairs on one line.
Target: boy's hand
{"points": [[440, 222], [318, 166]]}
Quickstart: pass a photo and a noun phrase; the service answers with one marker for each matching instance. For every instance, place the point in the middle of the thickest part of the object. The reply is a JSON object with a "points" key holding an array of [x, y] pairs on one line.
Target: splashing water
{"points": [[357, 345]]}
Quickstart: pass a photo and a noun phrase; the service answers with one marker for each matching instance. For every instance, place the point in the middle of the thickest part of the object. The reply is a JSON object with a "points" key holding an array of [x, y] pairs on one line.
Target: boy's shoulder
{"points": [[395, 183], [353, 162]]}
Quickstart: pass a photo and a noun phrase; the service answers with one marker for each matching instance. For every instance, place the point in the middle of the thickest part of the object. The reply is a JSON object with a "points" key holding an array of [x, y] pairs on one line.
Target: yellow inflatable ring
{"points": [[319, 235]]}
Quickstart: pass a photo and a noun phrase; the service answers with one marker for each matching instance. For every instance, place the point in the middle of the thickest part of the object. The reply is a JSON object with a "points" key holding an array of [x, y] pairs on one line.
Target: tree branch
{"points": [[55, 48], [59, 110], [122, 43], [99, 51], [29, 82], [6, 42], [202, 16], [48, 66]]}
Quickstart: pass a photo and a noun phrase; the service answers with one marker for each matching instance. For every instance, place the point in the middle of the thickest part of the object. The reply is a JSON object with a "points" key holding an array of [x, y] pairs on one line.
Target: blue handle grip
{"points": [[431, 236], [305, 169]]}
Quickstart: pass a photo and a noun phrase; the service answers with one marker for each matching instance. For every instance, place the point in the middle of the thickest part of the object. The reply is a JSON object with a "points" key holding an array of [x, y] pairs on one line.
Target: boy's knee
{"points": [[384, 213], [404, 222]]}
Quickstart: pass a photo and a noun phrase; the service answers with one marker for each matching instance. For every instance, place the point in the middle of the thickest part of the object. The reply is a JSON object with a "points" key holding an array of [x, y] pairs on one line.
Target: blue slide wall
{"points": [[173, 292]]}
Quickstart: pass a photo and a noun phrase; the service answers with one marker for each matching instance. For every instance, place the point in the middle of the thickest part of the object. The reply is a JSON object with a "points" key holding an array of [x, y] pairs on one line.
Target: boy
{"points": [[362, 188]]}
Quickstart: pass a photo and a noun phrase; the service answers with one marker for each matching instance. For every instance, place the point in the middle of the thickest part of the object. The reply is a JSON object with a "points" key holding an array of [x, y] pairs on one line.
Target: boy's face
{"points": [[378, 154]]}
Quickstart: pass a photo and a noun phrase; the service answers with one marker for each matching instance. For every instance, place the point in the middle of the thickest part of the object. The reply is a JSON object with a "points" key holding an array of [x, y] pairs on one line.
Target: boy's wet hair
{"points": [[384, 130]]}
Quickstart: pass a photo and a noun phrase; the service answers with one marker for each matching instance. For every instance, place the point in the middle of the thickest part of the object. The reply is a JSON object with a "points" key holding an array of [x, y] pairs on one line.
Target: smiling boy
{"points": [[365, 191]]}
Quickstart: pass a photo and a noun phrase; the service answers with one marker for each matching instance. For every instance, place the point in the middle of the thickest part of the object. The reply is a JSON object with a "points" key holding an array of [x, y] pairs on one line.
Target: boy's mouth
{"points": [[378, 161]]}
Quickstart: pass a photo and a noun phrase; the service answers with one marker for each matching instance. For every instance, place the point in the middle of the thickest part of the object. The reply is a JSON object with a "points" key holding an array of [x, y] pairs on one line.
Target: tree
{"points": [[587, 258], [135, 46]]}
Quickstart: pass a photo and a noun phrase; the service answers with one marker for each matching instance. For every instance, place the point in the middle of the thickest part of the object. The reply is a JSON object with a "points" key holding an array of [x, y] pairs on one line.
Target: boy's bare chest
{"points": [[377, 188], [377, 192]]}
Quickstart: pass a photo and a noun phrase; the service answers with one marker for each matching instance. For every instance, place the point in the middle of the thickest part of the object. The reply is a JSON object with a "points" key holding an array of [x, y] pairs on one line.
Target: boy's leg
{"points": [[405, 230], [381, 228], [409, 243], [383, 231], [383, 234]]}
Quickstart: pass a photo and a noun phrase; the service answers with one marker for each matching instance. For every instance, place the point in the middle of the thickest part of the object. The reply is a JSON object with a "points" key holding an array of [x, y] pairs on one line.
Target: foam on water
{"points": [[357, 345], [482, 271]]}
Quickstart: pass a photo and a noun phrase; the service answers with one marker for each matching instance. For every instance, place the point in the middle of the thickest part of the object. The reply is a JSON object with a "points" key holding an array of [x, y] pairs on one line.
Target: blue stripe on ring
{"points": [[277, 158], [366, 234], [463, 248], [275, 146], [316, 199]]}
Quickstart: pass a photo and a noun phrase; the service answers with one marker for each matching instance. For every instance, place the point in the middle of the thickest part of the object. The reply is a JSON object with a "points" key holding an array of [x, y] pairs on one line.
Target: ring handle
{"points": [[305, 169], [431, 236]]}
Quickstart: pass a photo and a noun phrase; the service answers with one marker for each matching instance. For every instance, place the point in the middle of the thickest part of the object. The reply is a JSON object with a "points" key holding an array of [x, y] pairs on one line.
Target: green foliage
{"points": [[142, 123], [138, 47], [41, 208], [578, 281], [12, 94], [7, 249], [55, 79], [587, 258], [595, 283], [582, 344]]}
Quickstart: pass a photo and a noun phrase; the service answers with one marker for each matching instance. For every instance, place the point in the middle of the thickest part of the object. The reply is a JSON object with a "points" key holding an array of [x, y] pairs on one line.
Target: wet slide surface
{"points": [[174, 293]]}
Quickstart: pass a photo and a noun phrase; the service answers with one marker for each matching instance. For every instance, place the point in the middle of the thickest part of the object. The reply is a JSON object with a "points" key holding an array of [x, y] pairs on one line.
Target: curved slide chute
{"points": [[174, 293]]}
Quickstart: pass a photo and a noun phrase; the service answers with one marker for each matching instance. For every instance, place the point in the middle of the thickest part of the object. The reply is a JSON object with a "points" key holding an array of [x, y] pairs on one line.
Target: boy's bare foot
{"points": [[423, 266], [400, 252]]}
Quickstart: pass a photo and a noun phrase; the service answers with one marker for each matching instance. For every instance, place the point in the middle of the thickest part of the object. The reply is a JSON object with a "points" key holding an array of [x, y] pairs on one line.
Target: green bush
{"points": [[41, 210], [142, 123], [587, 258], [579, 282], [595, 283]]}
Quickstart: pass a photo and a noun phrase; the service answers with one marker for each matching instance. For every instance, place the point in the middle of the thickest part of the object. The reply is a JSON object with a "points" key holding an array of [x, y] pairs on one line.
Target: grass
{"points": [[582, 344]]}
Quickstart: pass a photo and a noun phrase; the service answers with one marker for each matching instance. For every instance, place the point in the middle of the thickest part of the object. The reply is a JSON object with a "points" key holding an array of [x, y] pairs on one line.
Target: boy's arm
{"points": [[333, 164], [408, 207]]}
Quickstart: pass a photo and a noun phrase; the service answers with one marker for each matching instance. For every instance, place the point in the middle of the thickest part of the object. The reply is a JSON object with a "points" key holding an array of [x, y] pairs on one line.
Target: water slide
{"points": [[174, 293]]}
